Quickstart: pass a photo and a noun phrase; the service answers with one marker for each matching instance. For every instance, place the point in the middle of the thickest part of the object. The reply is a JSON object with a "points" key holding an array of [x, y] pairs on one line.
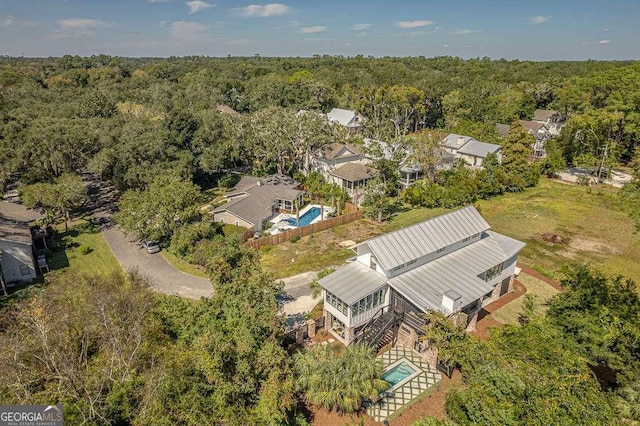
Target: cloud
{"points": [[198, 5], [159, 1], [82, 24], [258, 11], [413, 24], [604, 42], [78, 28], [185, 30], [162, 24], [463, 31], [360, 27], [538, 19], [312, 30], [8, 21]]}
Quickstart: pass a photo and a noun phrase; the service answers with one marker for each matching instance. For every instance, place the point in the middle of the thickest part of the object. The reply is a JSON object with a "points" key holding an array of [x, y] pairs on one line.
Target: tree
{"points": [[81, 341], [425, 151], [60, 197], [160, 210], [339, 382], [377, 204], [516, 150]]}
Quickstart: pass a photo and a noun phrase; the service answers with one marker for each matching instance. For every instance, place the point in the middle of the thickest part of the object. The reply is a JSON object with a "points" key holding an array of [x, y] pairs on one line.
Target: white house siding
{"points": [[15, 255], [365, 259], [362, 319]]}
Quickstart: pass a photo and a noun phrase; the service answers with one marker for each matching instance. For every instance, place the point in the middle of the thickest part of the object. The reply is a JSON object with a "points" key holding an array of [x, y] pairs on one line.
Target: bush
{"points": [[294, 239], [229, 181], [67, 242], [84, 249]]}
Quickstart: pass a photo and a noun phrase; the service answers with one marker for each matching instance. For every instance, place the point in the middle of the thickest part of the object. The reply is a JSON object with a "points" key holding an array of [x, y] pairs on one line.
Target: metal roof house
{"points": [[472, 151], [452, 263]]}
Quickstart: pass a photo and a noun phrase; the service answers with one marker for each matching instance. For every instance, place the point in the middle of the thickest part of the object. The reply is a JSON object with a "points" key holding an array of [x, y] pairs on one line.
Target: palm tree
{"points": [[339, 382]]}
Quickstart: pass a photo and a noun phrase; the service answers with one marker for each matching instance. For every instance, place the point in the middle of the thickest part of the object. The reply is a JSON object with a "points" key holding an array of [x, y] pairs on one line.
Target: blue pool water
{"points": [[306, 218], [398, 374]]}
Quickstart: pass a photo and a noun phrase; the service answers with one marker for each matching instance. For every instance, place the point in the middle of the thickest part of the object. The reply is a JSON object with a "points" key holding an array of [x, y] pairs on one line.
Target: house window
{"points": [[24, 270], [411, 262], [473, 306], [440, 250], [493, 272], [475, 235], [221, 220], [466, 239], [237, 223], [373, 262], [370, 302]]}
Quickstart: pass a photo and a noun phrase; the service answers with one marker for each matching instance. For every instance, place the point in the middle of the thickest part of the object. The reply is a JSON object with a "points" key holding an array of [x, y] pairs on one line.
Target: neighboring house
{"points": [[546, 124], [333, 155], [470, 150], [353, 177], [538, 130], [257, 199], [410, 170], [452, 263], [16, 244], [553, 120], [346, 118]]}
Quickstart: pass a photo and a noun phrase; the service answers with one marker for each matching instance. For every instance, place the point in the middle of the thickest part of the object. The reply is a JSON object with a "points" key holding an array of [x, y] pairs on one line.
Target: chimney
{"points": [[451, 301], [460, 141]]}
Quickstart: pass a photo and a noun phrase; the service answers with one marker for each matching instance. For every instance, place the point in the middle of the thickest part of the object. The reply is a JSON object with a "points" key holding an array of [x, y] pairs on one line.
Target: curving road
{"points": [[164, 277]]}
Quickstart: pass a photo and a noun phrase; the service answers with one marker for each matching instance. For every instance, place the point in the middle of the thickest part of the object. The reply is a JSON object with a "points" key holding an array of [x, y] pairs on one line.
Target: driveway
{"points": [[298, 299], [618, 177], [164, 277]]}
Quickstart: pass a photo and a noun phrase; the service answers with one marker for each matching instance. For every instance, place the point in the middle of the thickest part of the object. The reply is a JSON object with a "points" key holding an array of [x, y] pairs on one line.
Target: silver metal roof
{"points": [[353, 282], [455, 141], [418, 240], [344, 117], [478, 149], [459, 271]]}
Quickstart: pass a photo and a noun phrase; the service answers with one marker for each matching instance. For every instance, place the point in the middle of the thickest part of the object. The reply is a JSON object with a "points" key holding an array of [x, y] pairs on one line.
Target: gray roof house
{"points": [[16, 244], [470, 150], [346, 118], [256, 199], [452, 263]]}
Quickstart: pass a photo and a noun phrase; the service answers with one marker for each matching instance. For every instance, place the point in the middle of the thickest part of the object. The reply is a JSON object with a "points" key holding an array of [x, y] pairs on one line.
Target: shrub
{"points": [[85, 249], [294, 239]]}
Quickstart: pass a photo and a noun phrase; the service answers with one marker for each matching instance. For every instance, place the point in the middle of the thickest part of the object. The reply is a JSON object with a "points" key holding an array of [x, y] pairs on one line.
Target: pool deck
{"points": [[275, 229], [408, 390]]}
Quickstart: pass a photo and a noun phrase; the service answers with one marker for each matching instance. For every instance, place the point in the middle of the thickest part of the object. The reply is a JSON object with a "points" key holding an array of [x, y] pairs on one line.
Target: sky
{"points": [[516, 29]]}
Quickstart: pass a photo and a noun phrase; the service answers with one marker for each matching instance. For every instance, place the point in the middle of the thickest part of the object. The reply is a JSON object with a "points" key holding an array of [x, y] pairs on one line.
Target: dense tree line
{"points": [[131, 119]]}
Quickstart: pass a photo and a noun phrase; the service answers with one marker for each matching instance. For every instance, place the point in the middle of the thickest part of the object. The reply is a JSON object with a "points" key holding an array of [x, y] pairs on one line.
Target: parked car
{"points": [[151, 246]]}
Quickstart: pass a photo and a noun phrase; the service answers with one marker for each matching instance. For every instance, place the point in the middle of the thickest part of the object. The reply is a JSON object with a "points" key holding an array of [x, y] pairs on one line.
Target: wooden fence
{"points": [[246, 235], [305, 230]]}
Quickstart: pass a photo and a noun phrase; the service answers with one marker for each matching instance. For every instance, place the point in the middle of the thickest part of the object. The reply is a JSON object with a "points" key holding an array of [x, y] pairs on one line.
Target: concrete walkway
{"points": [[163, 276]]}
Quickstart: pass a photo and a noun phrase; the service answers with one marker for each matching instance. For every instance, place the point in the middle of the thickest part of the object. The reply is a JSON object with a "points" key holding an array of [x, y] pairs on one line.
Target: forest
{"points": [[115, 353]]}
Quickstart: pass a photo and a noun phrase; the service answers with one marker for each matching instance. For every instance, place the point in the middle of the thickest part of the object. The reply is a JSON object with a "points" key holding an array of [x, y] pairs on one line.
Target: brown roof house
{"points": [[538, 130], [255, 200], [16, 245]]}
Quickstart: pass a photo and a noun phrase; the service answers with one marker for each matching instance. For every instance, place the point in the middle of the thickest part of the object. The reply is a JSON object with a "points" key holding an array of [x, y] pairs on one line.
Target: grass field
{"points": [[592, 229], [100, 260], [508, 314]]}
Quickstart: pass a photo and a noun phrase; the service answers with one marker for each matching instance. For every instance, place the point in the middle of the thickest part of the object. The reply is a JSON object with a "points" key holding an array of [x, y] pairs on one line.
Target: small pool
{"points": [[308, 217], [398, 374]]}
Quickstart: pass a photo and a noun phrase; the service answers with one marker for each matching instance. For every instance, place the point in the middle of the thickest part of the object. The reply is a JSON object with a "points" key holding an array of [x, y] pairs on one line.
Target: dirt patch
{"points": [[552, 238], [592, 246]]}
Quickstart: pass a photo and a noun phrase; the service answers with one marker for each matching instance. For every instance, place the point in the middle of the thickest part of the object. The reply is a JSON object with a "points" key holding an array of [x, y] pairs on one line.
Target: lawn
{"points": [[508, 314], [317, 251], [99, 259], [183, 265]]}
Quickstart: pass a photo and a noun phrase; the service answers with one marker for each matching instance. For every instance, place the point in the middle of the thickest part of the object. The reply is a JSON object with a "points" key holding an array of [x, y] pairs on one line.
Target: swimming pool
{"points": [[308, 217], [398, 374]]}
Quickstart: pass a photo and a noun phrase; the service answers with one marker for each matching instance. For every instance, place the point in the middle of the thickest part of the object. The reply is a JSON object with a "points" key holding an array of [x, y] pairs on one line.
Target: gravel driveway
{"points": [[164, 277]]}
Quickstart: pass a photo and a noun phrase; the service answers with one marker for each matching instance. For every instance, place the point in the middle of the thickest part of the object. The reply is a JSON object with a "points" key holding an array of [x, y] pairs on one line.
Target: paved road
{"points": [[618, 178], [164, 277]]}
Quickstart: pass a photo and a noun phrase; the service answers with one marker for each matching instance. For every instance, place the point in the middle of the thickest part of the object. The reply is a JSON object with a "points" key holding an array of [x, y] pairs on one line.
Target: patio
{"points": [[408, 391]]}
